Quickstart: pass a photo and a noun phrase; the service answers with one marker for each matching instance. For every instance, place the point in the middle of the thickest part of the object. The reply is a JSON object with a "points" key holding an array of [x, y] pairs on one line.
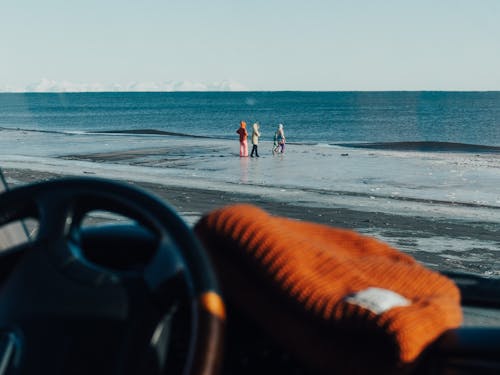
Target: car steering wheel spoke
{"points": [[165, 265], [52, 208]]}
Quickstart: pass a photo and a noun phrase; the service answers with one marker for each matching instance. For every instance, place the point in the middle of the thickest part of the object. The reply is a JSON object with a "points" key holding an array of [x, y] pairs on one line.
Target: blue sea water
{"points": [[391, 118]]}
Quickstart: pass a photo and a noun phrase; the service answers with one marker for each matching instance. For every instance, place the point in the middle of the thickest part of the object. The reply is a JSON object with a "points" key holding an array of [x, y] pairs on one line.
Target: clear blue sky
{"points": [[258, 44]]}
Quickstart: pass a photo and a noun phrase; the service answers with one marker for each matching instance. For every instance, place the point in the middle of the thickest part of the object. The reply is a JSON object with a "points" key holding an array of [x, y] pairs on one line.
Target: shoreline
{"points": [[395, 146], [432, 241]]}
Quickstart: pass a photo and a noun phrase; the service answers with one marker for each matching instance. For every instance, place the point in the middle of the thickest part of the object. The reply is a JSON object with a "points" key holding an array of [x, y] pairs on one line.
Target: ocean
{"points": [[434, 155], [396, 118]]}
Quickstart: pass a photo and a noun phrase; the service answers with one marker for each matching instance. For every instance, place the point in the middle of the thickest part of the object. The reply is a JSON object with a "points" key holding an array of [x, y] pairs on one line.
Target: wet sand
{"points": [[429, 240]]}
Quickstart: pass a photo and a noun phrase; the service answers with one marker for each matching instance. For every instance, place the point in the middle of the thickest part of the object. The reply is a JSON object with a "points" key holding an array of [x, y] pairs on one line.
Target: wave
{"points": [[39, 131], [425, 146], [149, 132], [422, 146], [111, 132]]}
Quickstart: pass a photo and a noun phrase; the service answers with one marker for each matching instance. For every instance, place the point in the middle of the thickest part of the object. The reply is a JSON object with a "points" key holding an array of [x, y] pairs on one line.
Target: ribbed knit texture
{"points": [[316, 267]]}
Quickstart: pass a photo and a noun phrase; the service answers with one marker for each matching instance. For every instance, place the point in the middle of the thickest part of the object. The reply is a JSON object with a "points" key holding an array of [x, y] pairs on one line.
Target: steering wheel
{"points": [[69, 307]]}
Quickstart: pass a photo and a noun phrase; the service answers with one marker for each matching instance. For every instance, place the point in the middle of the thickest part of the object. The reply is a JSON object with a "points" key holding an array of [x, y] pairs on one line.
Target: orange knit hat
{"points": [[339, 300]]}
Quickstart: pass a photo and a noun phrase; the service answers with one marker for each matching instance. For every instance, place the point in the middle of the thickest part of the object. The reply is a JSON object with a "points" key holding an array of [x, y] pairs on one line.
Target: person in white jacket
{"points": [[255, 140]]}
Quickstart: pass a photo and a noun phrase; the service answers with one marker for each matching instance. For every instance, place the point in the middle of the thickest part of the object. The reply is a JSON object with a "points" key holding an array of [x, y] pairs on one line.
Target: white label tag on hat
{"points": [[377, 300]]}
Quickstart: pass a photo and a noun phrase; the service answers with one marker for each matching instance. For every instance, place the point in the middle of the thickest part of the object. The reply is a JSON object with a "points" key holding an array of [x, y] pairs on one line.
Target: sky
{"points": [[195, 45]]}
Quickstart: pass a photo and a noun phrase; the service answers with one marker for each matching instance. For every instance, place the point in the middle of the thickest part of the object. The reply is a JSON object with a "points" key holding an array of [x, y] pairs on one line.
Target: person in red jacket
{"points": [[242, 131]]}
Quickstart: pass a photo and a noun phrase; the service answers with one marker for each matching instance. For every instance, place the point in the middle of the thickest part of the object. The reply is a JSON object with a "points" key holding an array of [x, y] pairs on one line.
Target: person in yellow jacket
{"points": [[255, 140]]}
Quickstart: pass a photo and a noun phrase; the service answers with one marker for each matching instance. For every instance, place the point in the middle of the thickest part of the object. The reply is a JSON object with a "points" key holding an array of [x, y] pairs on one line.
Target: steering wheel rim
{"points": [[60, 206]]}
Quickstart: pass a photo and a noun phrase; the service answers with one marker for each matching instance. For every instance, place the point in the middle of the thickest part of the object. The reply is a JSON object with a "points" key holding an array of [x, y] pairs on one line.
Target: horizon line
{"points": [[239, 91]]}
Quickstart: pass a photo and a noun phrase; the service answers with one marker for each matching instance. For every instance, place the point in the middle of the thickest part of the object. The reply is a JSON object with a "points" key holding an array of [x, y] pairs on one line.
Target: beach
{"points": [[451, 229], [441, 208], [403, 232]]}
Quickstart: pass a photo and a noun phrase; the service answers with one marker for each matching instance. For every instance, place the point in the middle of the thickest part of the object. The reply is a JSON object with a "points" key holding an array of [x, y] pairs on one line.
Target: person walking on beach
{"points": [[279, 140], [255, 140], [242, 131]]}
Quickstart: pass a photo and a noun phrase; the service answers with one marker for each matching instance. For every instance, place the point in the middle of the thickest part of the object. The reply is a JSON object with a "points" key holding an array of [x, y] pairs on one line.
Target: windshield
{"points": [[390, 118]]}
